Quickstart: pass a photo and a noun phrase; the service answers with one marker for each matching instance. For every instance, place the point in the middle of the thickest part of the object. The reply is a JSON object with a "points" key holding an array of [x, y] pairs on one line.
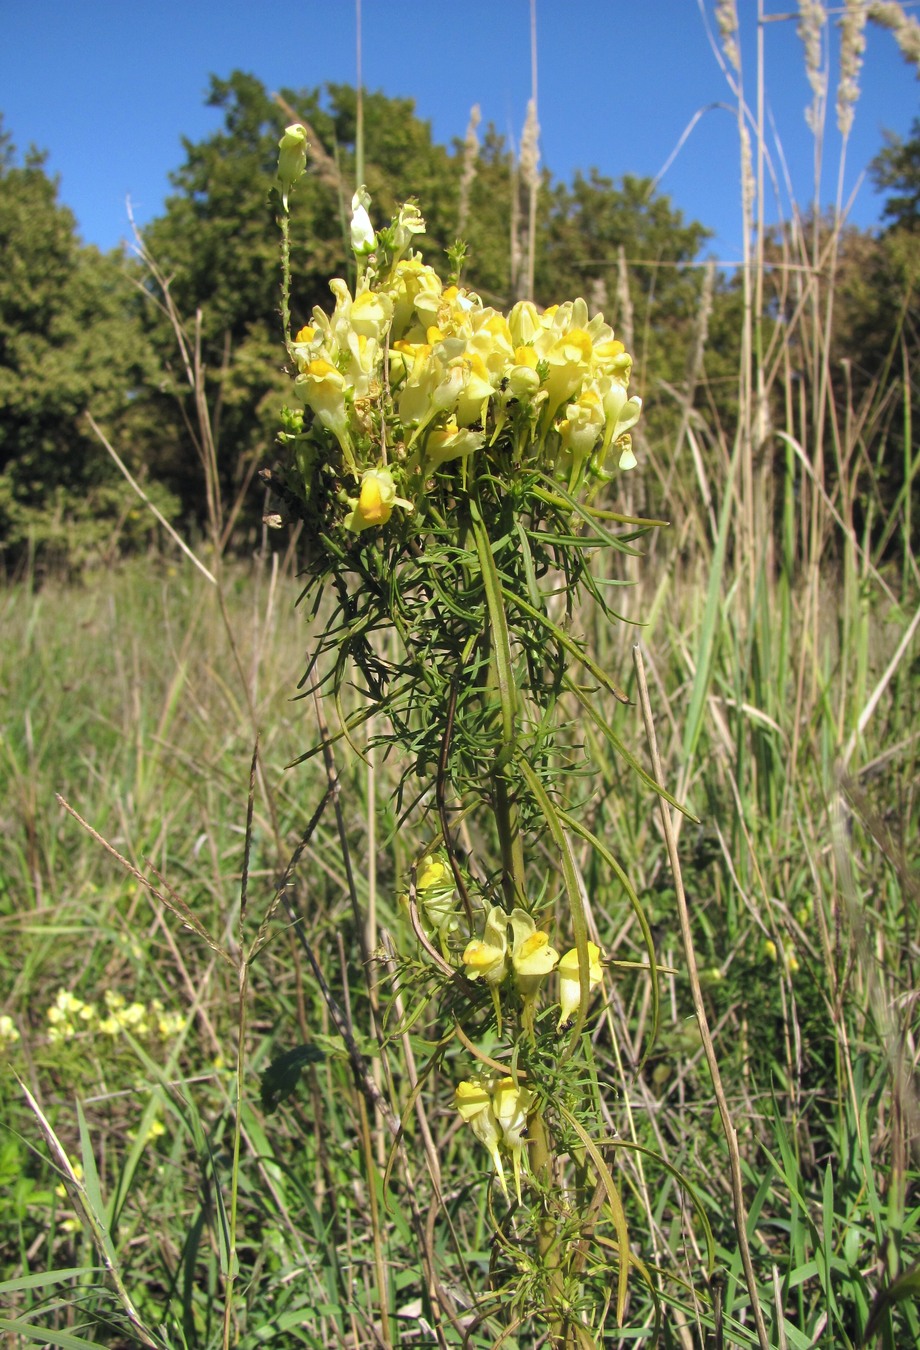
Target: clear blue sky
{"points": [[109, 88]]}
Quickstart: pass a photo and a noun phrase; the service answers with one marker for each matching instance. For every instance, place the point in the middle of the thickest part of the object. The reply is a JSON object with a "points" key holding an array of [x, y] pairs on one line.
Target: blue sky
{"points": [[109, 89]]}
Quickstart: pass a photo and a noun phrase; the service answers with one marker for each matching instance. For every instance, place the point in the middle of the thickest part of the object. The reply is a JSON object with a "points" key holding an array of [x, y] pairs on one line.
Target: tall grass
{"points": [[335, 1200]]}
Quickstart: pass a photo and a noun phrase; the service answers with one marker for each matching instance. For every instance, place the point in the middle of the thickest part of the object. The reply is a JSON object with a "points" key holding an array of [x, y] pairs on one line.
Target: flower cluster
{"points": [[68, 1015], [497, 1111], [531, 957], [408, 375]]}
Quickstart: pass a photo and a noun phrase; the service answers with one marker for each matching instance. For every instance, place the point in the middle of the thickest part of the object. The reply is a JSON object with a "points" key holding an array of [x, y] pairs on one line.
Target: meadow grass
{"points": [[124, 697]]}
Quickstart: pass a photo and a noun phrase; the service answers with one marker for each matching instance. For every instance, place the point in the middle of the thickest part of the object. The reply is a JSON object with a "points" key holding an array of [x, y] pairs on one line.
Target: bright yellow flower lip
{"points": [[531, 954], [375, 502], [481, 958], [488, 956], [433, 871]]}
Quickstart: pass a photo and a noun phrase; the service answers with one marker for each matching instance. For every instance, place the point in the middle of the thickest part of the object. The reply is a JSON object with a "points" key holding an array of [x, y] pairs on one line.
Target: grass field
{"points": [[127, 697]]}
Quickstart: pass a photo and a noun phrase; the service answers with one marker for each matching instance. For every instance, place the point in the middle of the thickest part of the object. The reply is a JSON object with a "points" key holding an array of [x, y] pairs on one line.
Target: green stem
{"points": [[540, 1156], [501, 679], [285, 223]]}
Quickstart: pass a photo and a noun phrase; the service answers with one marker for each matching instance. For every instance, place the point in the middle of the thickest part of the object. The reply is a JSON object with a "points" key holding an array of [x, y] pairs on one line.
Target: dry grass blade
{"points": [[731, 1135]]}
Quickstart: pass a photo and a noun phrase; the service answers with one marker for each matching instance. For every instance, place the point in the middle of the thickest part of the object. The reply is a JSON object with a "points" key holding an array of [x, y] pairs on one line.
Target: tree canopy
{"points": [[81, 332]]}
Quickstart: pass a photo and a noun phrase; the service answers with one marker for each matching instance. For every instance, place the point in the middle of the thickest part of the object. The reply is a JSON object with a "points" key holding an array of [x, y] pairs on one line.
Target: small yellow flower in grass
{"points": [[66, 1013], [9, 1032], [512, 1106], [487, 958], [569, 983], [436, 892], [169, 1024], [60, 1189], [474, 1102], [531, 954], [375, 503]]}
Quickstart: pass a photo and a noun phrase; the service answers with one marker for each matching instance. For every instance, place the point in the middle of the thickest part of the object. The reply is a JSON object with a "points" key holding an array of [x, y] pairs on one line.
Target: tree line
{"points": [[131, 350]]}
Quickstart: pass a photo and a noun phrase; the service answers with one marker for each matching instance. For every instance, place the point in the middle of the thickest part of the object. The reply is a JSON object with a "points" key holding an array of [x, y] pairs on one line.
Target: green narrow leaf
{"points": [[44, 1336]]}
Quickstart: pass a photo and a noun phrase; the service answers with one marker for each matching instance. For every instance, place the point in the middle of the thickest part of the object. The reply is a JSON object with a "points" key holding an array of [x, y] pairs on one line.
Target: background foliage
{"points": [[80, 332]]}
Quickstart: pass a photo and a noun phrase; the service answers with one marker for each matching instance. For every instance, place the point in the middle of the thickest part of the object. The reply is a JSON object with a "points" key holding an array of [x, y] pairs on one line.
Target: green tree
{"points": [[896, 170], [69, 343]]}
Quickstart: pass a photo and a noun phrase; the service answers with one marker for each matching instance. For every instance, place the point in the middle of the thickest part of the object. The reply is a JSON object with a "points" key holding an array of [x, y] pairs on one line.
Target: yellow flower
{"points": [[522, 376], [512, 1105], [322, 389], [433, 871], [569, 983], [524, 323], [488, 957], [580, 431], [371, 312], [437, 895], [474, 1103], [375, 503], [9, 1033], [292, 159], [531, 954], [450, 442], [408, 223], [412, 283], [620, 412], [569, 360], [627, 459]]}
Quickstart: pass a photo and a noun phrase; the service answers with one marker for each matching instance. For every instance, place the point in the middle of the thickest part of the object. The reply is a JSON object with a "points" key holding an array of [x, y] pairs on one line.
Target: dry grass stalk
{"points": [[468, 171]]}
